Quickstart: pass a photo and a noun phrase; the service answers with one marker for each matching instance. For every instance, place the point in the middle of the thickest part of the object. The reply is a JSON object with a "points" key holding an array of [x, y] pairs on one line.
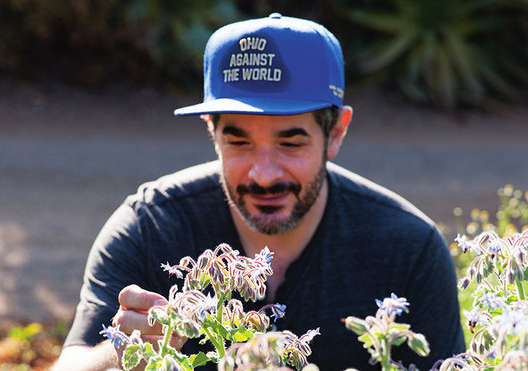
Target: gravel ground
{"points": [[69, 157]]}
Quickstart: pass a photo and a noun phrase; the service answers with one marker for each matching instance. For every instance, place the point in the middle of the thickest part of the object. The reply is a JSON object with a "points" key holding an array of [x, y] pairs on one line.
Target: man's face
{"points": [[273, 167]]}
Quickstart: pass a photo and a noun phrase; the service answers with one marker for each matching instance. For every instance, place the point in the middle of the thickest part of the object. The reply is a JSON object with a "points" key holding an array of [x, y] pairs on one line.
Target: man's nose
{"points": [[265, 169]]}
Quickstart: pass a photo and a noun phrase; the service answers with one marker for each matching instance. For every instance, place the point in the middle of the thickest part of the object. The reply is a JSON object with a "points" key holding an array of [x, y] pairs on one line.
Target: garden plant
{"points": [[497, 319], [491, 256], [217, 319], [494, 278]]}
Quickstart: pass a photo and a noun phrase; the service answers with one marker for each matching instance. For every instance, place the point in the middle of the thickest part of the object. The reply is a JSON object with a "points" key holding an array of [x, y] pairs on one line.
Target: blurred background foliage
{"points": [[441, 52]]}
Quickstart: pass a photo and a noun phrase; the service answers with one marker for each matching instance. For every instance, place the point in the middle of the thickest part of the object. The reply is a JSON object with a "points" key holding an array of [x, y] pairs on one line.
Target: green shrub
{"points": [[447, 52], [92, 41], [174, 33]]}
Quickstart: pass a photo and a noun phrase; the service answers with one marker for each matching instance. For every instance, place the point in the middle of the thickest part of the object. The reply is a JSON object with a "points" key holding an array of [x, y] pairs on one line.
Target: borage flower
{"points": [[208, 305], [116, 336], [474, 317], [393, 305], [296, 350], [278, 310], [491, 300], [513, 321]]}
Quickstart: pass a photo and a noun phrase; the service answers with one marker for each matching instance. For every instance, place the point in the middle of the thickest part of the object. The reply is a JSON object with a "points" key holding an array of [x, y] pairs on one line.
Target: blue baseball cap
{"points": [[273, 66]]}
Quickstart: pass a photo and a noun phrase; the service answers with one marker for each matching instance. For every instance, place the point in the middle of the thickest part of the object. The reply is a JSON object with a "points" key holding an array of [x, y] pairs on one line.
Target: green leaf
{"points": [[199, 359], [399, 340], [443, 79], [241, 334], [366, 339], [388, 52], [155, 363], [460, 53], [396, 326], [131, 356], [383, 22], [149, 350], [213, 356], [217, 327]]}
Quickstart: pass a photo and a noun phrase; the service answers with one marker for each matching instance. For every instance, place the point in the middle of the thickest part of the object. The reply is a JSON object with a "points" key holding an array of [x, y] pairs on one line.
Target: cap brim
{"points": [[252, 106]]}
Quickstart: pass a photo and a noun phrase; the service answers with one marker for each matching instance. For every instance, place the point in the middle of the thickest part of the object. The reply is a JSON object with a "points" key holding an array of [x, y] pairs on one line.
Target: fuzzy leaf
{"points": [[399, 340], [241, 334], [217, 327], [199, 359], [131, 356], [395, 326], [367, 339]]}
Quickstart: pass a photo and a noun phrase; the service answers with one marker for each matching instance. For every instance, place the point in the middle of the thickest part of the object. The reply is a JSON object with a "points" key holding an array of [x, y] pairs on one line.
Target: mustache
{"points": [[277, 188]]}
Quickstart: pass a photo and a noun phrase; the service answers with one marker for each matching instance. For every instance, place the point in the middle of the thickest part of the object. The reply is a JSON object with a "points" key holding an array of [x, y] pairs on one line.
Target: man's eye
{"points": [[237, 142], [291, 145]]}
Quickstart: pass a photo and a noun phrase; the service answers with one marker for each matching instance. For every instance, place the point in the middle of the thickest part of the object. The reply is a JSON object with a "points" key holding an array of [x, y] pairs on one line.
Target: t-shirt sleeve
{"points": [[434, 308], [113, 263]]}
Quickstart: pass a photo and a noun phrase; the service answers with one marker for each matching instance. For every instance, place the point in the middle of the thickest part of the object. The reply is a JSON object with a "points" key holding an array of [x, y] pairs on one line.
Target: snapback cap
{"points": [[273, 66]]}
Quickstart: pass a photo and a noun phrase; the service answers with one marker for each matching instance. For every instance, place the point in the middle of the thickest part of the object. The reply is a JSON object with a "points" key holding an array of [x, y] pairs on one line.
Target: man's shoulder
{"points": [[356, 190], [193, 182]]}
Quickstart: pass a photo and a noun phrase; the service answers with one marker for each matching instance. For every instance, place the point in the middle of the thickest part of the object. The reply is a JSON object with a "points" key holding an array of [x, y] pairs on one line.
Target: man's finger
{"points": [[130, 320], [135, 298]]}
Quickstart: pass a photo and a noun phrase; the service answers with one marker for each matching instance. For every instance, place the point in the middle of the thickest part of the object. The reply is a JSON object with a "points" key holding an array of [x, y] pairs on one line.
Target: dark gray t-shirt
{"points": [[369, 244]]}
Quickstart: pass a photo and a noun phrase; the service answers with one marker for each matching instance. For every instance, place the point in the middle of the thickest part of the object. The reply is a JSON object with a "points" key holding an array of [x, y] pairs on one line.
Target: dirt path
{"points": [[69, 157]]}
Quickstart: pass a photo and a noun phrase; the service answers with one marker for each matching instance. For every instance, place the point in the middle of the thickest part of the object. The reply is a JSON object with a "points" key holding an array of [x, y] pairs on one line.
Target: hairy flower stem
{"points": [[166, 340], [520, 289], [217, 343], [385, 355]]}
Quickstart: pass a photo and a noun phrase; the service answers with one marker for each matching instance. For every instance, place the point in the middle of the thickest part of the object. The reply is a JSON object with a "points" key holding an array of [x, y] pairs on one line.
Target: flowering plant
{"points": [[381, 332], [498, 320], [267, 351], [499, 317], [217, 319]]}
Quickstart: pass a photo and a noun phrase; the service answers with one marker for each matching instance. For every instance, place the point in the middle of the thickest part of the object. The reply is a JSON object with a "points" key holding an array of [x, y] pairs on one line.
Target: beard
{"points": [[267, 221]]}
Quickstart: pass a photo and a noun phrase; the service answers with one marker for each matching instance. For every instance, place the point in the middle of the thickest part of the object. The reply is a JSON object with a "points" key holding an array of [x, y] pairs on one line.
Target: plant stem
{"points": [[219, 345], [520, 289], [385, 355], [166, 340]]}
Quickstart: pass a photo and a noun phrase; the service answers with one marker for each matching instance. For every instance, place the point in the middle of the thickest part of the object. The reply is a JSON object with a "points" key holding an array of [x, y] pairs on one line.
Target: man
{"points": [[273, 103]]}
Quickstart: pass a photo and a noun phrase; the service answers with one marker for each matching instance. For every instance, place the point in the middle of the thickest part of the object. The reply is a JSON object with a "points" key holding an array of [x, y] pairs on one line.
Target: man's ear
{"points": [[210, 126], [211, 129], [338, 132], [209, 122]]}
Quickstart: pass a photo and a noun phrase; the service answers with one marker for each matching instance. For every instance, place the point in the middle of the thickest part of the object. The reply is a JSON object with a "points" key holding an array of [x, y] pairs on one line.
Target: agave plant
{"points": [[446, 52]]}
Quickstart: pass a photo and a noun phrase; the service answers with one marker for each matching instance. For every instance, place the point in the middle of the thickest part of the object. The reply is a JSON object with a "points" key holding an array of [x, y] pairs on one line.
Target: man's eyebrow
{"points": [[233, 130], [292, 132]]}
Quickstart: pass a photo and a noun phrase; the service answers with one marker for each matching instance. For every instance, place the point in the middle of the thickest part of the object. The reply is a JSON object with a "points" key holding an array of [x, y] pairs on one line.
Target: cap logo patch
{"points": [[338, 92], [252, 60]]}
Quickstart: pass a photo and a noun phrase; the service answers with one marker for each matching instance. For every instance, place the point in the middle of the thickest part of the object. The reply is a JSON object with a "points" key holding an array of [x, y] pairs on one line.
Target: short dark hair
{"points": [[325, 117]]}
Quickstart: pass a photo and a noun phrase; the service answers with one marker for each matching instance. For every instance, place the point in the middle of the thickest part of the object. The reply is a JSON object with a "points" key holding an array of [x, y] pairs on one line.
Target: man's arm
{"points": [[80, 357]]}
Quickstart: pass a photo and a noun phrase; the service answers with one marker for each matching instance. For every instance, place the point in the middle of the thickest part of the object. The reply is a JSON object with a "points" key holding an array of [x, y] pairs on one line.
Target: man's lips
{"points": [[268, 199]]}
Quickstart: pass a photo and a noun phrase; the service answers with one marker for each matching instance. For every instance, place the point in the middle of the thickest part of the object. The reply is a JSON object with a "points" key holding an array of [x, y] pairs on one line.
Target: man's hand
{"points": [[134, 304], [132, 314]]}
